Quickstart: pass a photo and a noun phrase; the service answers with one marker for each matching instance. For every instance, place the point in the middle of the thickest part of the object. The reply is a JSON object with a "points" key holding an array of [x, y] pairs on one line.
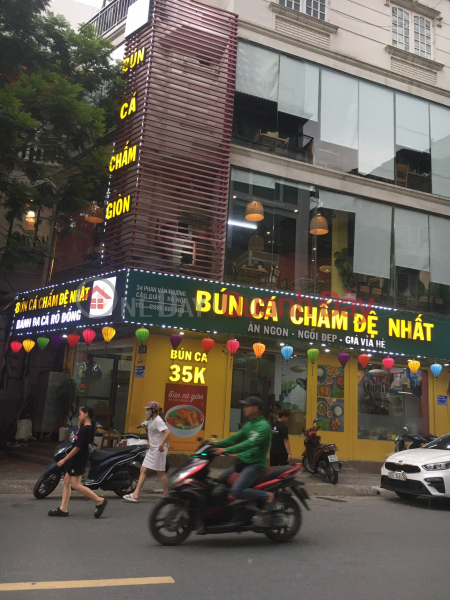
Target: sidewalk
{"points": [[355, 479]]}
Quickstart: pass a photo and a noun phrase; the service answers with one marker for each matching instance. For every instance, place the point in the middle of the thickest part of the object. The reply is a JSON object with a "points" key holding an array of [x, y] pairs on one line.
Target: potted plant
{"points": [[343, 261]]}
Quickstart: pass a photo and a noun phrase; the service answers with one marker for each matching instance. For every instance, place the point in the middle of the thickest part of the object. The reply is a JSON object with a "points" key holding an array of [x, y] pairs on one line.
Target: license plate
{"points": [[332, 458], [397, 475]]}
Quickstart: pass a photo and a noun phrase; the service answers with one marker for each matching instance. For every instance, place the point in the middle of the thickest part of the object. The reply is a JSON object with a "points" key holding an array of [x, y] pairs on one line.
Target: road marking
{"points": [[87, 583]]}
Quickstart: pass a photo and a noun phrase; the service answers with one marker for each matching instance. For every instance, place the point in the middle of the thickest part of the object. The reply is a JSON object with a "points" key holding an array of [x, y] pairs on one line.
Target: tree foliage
{"points": [[59, 94]]}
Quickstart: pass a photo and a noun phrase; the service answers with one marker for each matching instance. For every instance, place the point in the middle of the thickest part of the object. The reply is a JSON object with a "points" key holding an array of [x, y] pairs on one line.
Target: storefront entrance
{"points": [[103, 380]]}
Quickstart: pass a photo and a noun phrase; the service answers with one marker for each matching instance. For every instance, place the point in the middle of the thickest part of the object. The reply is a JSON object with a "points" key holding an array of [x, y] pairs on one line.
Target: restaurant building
{"points": [[280, 179]]}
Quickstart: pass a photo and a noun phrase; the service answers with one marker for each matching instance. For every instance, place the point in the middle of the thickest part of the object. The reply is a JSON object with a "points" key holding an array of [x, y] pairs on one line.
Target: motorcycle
{"points": [[115, 469], [320, 458], [197, 502], [416, 440]]}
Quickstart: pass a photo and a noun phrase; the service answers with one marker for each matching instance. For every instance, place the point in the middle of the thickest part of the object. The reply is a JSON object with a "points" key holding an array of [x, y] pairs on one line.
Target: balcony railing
{"points": [[111, 15]]}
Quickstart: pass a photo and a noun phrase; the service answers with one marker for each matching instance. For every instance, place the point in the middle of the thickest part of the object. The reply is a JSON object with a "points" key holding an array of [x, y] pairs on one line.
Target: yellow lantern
{"points": [[413, 365], [28, 345], [108, 333]]}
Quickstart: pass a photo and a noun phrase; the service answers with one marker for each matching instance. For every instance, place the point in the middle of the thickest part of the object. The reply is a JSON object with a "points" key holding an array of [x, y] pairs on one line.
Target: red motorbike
{"points": [[320, 458], [200, 503]]}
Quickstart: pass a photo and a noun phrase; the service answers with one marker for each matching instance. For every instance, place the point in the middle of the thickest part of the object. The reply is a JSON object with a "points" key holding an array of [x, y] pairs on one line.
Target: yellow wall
{"points": [[157, 364]]}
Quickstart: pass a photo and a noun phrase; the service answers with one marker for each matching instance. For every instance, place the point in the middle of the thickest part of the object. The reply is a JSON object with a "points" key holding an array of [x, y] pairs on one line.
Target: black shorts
{"points": [[278, 459], [74, 469]]}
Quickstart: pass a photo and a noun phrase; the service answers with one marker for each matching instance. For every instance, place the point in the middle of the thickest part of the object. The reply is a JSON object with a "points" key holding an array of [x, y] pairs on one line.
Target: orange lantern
{"points": [[207, 344], [259, 349]]}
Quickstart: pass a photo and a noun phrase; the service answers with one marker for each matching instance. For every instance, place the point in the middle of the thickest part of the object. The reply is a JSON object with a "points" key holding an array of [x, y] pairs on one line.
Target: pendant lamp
{"points": [[254, 211], [43, 342], [207, 344], [72, 340], [94, 214], [142, 334], [28, 345], [364, 360], [108, 333], [232, 346], [88, 335], [258, 349], [313, 355], [318, 225], [256, 243], [16, 346]]}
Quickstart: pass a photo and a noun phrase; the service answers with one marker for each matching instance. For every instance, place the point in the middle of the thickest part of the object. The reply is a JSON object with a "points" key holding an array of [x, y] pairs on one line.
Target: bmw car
{"points": [[422, 472]]}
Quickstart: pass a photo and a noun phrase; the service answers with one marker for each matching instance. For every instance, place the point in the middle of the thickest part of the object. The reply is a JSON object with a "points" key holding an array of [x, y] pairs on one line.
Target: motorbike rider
{"points": [[251, 444]]}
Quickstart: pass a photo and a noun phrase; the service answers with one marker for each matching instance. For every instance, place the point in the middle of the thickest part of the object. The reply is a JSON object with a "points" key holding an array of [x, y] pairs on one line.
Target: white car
{"points": [[423, 472]]}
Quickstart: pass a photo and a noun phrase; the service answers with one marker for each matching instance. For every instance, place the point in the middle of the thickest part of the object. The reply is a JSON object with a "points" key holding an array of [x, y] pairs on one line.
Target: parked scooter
{"points": [[320, 458], [197, 502], [135, 439], [414, 439], [116, 469]]}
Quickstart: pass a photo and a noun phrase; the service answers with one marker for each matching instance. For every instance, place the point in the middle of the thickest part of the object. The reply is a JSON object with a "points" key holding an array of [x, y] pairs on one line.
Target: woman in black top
{"points": [[75, 465]]}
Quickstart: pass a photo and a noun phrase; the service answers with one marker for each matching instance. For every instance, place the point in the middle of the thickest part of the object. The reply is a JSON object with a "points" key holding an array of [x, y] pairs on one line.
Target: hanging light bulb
{"points": [[318, 225], [94, 214], [254, 211], [256, 243]]}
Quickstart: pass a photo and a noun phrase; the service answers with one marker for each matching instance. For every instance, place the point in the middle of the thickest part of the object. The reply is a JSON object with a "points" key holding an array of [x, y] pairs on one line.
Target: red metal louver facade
{"points": [[178, 183]]}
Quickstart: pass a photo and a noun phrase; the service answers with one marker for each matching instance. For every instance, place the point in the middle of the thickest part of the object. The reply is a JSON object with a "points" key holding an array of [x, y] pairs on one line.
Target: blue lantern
{"points": [[287, 351], [436, 369]]}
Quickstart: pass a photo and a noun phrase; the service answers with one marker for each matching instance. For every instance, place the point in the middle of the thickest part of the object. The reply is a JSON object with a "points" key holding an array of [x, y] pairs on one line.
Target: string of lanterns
{"points": [[208, 343]]}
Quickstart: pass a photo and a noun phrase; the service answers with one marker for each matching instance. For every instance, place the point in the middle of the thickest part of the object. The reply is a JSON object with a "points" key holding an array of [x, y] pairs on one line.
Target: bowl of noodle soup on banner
{"points": [[184, 420]]}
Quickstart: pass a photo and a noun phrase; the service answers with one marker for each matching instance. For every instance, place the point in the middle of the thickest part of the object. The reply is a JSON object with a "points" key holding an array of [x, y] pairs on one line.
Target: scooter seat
{"points": [[101, 455]]}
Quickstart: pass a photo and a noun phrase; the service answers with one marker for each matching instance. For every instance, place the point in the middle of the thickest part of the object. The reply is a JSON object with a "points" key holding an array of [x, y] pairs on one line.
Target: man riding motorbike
{"points": [[251, 444]]}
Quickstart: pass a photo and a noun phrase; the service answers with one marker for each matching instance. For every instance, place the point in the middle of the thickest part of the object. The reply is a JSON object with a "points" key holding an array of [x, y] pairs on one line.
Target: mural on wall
{"points": [[330, 398]]}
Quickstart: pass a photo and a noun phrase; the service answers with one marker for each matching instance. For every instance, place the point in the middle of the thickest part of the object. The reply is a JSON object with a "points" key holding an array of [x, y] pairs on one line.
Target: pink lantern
{"points": [[343, 358], [89, 335], [388, 363], [207, 344], [232, 346], [175, 340]]}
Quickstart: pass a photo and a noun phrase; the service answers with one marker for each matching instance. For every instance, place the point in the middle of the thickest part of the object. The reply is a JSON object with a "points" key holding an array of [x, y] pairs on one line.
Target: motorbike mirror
{"points": [[315, 420], [214, 437], [199, 439], [406, 429]]}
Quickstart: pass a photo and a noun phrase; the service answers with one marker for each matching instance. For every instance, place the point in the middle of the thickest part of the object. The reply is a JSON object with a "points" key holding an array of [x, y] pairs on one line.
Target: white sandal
{"points": [[130, 498]]}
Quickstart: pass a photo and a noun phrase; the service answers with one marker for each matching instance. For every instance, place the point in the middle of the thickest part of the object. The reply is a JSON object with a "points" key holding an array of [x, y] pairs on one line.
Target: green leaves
{"points": [[59, 93]]}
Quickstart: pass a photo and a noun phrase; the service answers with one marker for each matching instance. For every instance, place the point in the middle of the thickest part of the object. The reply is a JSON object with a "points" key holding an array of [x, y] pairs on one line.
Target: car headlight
{"points": [[437, 466]]}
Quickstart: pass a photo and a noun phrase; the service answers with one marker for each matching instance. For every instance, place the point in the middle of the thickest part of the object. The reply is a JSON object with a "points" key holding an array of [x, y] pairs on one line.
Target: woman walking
{"points": [[155, 459], [75, 465]]}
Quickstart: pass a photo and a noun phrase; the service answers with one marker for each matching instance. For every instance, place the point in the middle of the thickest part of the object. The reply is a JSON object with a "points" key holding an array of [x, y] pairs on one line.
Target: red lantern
{"points": [[232, 346], [388, 363], [364, 360], [73, 339], [88, 335], [16, 346], [207, 344]]}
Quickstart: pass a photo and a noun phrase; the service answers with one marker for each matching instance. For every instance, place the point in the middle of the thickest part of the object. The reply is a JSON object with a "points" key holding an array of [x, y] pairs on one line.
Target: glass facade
{"points": [[319, 240], [387, 402], [292, 108]]}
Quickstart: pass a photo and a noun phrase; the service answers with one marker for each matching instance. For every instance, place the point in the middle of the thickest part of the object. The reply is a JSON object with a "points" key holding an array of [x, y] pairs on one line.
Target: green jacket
{"points": [[251, 443]]}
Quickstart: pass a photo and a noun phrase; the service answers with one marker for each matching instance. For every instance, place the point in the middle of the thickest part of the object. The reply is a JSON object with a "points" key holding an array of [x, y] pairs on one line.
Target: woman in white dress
{"points": [[155, 459]]}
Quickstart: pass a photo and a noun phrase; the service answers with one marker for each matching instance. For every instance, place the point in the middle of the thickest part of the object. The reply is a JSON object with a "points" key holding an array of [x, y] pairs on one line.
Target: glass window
{"points": [[103, 379], [440, 149], [422, 37], [330, 398], [257, 71], [400, 28], [439, 250], [290, 390], [316, 8], [294, 4], [387, 402], [298, 93], [373, 229], [376, 131], [412, 248]]}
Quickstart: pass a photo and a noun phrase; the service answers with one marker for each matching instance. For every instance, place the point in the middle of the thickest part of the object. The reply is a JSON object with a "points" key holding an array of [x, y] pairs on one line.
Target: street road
{"points": [[351, 548]]}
